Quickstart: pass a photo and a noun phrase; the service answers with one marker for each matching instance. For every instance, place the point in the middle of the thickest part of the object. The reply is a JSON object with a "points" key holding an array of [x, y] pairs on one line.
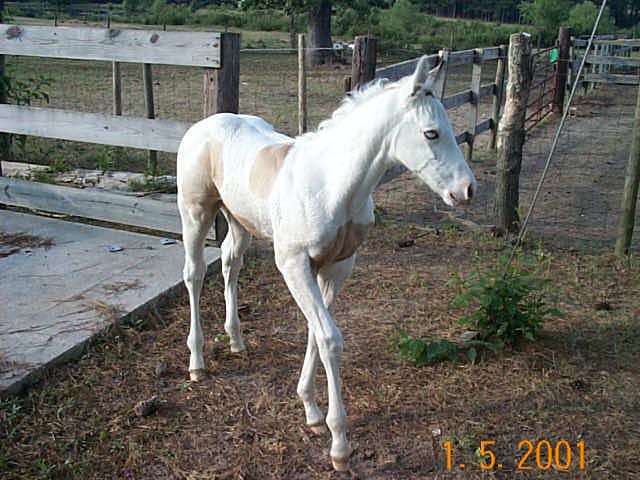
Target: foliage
{"points": [[163, 13], [430, 350], [510, 305], [547, 15], [258, 20], [150, 183], [24, 92], [583, 15]]}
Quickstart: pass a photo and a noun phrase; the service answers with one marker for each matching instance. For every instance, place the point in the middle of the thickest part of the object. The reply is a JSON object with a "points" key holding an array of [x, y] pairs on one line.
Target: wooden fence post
{"points": [[5, 139], [498, 95], [630, 196], [117, 88], [560, 78], [444, 70], [363, 66], [221, 85], [511, 132], [222, 94], [147, 80], [302, 85], [476, 77]]}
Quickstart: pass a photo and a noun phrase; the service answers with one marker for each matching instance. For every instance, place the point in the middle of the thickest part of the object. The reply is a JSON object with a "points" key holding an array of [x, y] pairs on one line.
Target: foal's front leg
{"points": [[330, 280], [296, 270]]}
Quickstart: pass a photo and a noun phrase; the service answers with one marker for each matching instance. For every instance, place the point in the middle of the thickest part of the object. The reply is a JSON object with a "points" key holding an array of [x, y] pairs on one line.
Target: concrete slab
{"points": [[54, 299]]}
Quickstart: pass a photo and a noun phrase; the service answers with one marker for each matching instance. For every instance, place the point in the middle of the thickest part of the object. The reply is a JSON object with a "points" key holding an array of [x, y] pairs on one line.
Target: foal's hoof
{"points": [[319, 428], [197, 375], [340, 464], [237, 347]]}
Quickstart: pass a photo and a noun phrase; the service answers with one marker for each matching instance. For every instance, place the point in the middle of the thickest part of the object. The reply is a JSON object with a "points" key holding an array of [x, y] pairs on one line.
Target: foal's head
{"points": [[424, 141]]}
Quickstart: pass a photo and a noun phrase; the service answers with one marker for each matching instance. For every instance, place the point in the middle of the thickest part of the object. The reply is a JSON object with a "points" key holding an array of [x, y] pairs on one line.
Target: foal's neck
{"points": [[355, 151]]}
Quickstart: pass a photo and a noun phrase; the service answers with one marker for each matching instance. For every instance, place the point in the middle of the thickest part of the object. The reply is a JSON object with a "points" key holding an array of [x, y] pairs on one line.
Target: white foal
{"points": [[312, 196]]}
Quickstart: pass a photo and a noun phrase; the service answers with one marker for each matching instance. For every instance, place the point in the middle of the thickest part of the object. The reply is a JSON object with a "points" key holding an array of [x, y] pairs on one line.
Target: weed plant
{"points": [[507, 306]]}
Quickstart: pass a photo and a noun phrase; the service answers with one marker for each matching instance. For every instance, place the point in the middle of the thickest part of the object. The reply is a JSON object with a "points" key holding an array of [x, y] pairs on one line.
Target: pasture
{"points": [[577, 383]]}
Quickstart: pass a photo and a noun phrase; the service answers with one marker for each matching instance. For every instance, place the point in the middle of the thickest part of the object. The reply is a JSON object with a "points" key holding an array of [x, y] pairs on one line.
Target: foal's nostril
{"points": [[453, 197], [470, 192]]}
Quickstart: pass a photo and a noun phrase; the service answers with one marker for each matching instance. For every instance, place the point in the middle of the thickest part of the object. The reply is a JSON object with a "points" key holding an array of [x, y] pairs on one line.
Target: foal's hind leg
{"points": [[233, 248], [197, 214]]}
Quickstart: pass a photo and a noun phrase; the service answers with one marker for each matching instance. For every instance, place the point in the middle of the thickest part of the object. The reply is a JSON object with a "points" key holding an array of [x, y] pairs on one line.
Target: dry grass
{"points": [[579, 381], [12, 243]]}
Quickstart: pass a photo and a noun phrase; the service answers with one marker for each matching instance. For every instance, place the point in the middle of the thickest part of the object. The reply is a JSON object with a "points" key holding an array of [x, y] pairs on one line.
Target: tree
{"points": [[319, 32], [547, 15], [583, 15], [318, 23], [625, 12]]}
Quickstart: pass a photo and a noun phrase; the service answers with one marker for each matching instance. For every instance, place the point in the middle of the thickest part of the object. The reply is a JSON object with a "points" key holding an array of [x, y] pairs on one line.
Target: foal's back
{"points": [[221, 160]]}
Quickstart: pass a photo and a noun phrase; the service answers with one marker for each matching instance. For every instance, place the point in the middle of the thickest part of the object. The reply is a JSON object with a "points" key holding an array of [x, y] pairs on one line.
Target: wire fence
{"points": [[543, 71]]}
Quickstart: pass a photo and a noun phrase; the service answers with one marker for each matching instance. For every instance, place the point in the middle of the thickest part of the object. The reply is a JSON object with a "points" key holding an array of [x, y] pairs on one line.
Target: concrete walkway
{"points": [[55, 298]]}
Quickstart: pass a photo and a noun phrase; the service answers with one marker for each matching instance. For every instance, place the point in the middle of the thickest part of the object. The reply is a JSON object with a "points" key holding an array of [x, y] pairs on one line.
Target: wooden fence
{"points": [[614, 60], [216, 53], [610, 61]]}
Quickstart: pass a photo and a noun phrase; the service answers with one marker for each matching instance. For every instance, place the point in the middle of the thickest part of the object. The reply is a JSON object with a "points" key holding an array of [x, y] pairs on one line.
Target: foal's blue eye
{"points": [[431, 134]]}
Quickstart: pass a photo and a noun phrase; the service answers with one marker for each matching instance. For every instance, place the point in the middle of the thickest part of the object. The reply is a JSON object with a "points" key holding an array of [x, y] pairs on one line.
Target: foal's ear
{"points": [[427, 76]]}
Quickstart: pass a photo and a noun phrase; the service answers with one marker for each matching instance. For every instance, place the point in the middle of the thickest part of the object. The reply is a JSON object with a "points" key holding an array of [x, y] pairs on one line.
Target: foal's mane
{"points": [[353, 100]]}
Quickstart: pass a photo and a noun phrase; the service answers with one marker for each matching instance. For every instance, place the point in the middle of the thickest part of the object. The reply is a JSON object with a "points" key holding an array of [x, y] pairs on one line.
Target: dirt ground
{"points": [[579, 382]]}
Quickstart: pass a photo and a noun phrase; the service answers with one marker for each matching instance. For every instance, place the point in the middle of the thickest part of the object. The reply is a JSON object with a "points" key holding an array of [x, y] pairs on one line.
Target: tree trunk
{"points": [[511, 133], [319, 34]]}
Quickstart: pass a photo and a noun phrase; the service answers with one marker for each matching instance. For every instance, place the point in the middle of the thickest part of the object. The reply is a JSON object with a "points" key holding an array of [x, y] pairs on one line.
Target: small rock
{"points": [[145, 408], [406, 243], [467, 336], [497, 231], [602, 305], [160, 370]]}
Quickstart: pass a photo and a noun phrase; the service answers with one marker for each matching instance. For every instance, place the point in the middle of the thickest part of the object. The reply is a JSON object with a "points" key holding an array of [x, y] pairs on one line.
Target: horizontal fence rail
{"points": [[177, 48], [194, 49], [148, 134], [611, 60], [97, 204]]}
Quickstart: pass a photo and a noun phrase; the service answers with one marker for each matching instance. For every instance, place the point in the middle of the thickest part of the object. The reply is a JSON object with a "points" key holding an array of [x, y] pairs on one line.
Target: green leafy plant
{"points": [[509, 306], [430, 350], [426, 350], [105, 157], [23, 92], [152, 184]]}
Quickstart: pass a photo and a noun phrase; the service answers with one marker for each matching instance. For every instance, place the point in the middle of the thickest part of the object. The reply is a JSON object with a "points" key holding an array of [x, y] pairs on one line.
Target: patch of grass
{"points": [[153, 184]]}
